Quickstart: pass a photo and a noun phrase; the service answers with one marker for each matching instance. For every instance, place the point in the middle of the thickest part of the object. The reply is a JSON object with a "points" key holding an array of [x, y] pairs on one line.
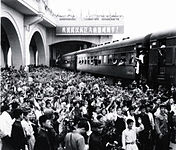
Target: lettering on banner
{"points": [[68, 29], [101, 30], [90, 30], [77, 30], [85, 29], [81, 30], [95, 30], [63, 29], [108, 29], [112, 30], [72, 30]]}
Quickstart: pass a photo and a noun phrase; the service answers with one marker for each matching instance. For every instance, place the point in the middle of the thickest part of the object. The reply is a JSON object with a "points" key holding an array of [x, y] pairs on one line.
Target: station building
{"points": [[32, 34]]}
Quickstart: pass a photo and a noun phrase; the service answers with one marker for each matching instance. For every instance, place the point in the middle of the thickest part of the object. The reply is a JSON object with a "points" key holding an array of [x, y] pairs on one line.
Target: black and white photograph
{"points": [[88, 75]]}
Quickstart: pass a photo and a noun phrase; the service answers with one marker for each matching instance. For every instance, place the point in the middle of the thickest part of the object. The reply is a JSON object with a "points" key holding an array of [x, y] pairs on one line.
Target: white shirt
{"points": [[151, 120], [129, 135], [6, 123], [27, 126]]}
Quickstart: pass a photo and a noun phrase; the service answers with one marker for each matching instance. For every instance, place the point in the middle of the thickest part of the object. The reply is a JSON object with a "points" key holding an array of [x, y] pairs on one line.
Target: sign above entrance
{"points": [[90, 24], [89, 30]]}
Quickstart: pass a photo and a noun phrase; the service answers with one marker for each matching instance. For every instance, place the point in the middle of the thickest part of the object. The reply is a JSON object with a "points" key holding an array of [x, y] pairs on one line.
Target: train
{"points": [[151, 57]]}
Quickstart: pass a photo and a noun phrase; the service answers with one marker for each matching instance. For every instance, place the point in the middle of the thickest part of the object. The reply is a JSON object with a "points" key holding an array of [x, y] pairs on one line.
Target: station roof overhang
{"points": [[24, 8]]}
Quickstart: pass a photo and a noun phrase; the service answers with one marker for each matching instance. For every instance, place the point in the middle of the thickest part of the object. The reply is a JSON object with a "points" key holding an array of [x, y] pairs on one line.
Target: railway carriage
{"points": [[162, 57], [152, 57]]}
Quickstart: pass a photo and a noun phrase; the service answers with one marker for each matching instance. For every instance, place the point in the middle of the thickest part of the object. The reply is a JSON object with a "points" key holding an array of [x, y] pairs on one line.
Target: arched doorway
{"points": [[36, 50], [10, 43], [64, 47]]}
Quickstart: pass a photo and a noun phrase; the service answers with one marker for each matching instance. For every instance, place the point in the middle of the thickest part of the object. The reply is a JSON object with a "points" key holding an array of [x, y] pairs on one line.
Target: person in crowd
{"points": [[95, 139], [152, 124], [74, 140], [19, 139], [119, 125], [129, 138], [173, 130], [46, 137], [161, 121], [28, 129], [144, 135], [6, 127]]}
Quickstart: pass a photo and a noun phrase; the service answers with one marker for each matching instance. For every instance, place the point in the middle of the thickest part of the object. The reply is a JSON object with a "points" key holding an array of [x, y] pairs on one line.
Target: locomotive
{"points": [[151, 57]]}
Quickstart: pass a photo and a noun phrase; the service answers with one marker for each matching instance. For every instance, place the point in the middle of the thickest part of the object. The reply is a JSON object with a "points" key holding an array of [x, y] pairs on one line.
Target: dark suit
{"points": [[18, 137], [42, 141], [96, 142], [144, 135], [120, 126]]}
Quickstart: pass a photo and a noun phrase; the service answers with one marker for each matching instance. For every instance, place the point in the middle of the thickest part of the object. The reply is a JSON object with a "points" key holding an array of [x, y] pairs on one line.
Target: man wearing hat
{"points": [[144, 135], [161, 123]]}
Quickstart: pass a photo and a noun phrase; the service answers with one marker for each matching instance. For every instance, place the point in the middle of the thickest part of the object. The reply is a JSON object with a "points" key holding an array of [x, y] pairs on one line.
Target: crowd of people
{"points": [[45, 108]]}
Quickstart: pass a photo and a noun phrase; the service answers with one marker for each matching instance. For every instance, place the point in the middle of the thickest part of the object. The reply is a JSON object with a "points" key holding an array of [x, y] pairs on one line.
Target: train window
{"points": [[110, 59], [96, 60], [100, 59], [170, 42], [88, 60], [79, 60], [105, 59], [85, 60], [123, 59], [115, 59], [131, 58], [92, 60], [162, 42]]}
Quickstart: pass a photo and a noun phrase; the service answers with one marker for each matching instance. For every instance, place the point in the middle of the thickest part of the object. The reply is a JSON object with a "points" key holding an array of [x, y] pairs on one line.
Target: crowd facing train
{"points": [[48, 109], [151, 57]]}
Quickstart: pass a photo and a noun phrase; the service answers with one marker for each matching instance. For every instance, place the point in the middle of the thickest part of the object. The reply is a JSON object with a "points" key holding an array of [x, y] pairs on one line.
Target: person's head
{"points": [[104, 111], [119, 110], [83, 126], [5, 108], [15, 105], [48, 104], [162, 108], [98, 109], [143, 109], [171, 100], [18, 114], [26, 113], [148, 108], [100, 118], [131, 110], [45, 122], [130, 123], [97, 127], [158, 101]]}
